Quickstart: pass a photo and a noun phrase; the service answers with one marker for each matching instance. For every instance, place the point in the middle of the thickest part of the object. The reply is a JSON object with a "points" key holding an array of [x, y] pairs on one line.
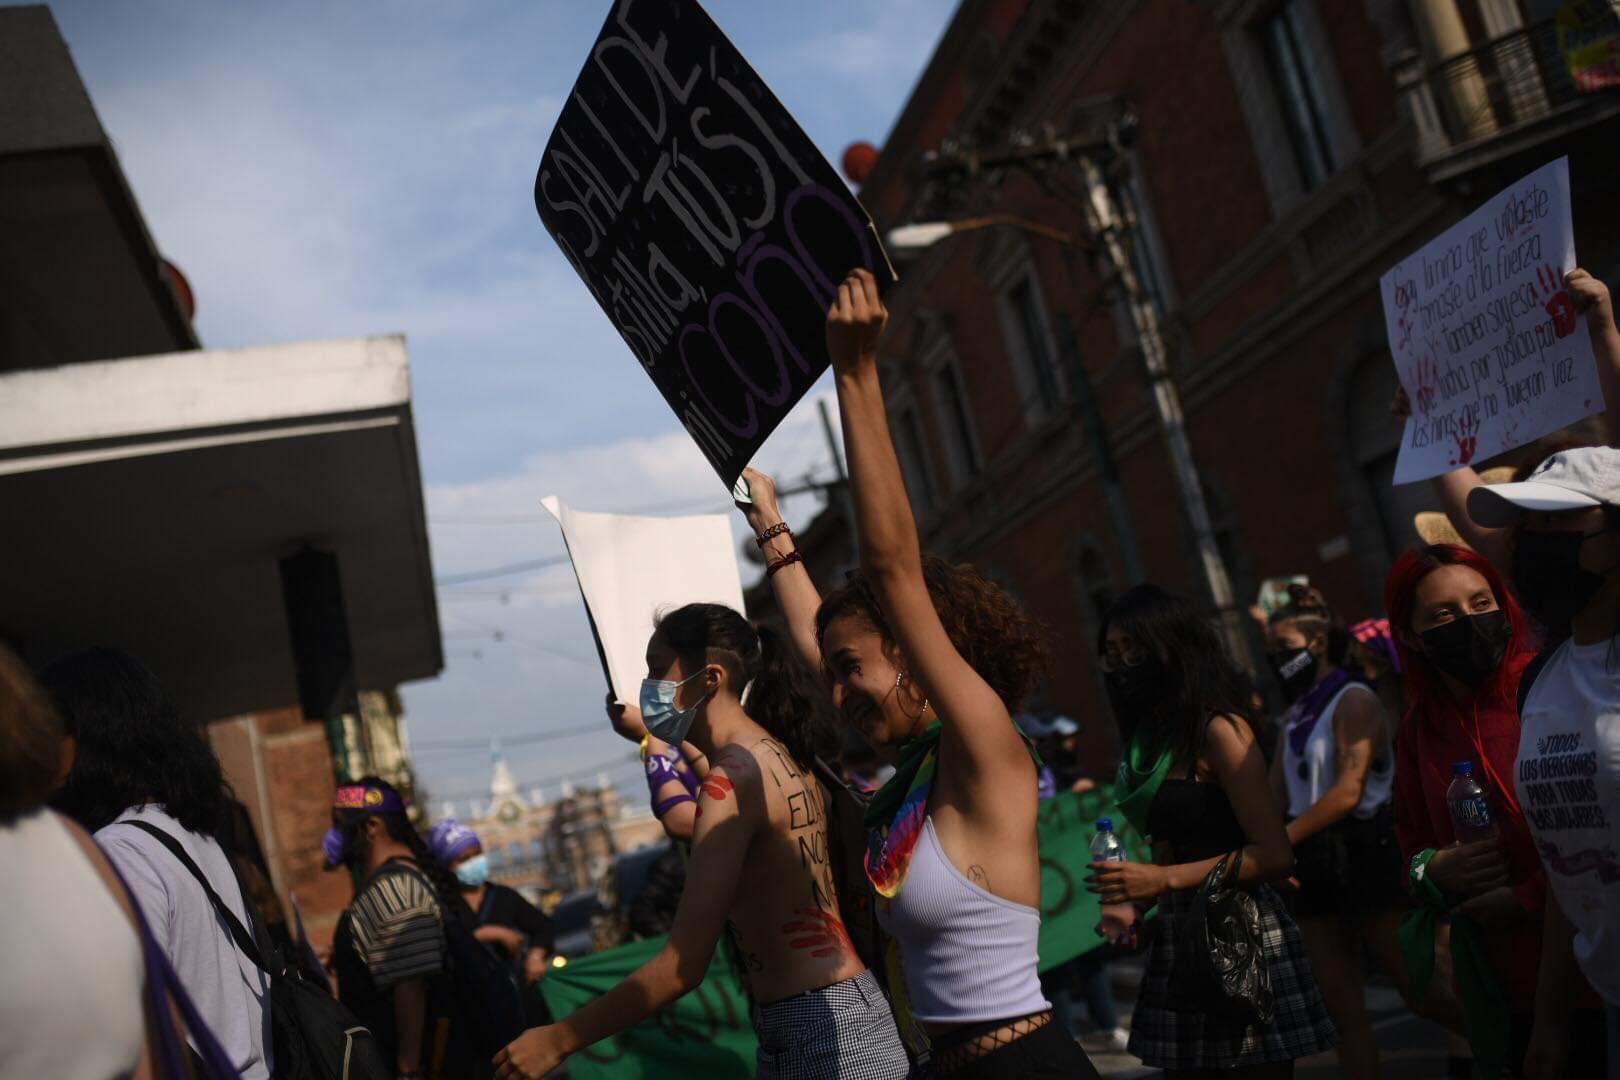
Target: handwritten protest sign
{"points": [[703, 220], [631, 568], [1486, 340]]}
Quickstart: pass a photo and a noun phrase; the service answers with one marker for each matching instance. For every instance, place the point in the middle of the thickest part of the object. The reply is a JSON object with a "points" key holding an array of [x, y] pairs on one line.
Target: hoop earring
{"points": [[899, 685]]}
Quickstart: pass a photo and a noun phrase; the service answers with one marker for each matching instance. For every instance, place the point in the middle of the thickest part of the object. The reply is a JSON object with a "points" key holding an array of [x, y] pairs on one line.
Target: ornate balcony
{"points": [[1502, 97]]}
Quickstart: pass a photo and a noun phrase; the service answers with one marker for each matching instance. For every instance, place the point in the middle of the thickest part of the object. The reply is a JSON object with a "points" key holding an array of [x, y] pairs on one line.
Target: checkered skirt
{"points": [[1166, 1038], [841, 1032]]}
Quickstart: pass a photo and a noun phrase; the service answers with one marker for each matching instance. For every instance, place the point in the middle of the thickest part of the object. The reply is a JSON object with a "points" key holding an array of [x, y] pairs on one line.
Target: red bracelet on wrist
{"points": [[786, 560]]}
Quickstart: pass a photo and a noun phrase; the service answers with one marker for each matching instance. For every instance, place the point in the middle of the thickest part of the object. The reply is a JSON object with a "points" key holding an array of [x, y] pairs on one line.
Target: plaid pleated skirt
{"points": [[1167, 1037]]}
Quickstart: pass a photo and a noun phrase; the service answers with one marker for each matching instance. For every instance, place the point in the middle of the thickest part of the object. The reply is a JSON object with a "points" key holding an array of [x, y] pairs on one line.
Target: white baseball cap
{"points": [[1576, 479]]}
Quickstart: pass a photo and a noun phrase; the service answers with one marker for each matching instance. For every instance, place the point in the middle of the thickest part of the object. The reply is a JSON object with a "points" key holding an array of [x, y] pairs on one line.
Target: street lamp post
{"points": [[1109, 222]]}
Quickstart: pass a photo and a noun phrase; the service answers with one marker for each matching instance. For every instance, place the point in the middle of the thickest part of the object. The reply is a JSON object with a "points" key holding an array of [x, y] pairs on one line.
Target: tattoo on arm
{"points": [[977, 875]]}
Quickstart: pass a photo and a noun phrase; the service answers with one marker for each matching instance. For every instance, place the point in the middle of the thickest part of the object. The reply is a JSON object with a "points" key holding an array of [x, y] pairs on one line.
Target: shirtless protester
{"points": [[759, 862]]}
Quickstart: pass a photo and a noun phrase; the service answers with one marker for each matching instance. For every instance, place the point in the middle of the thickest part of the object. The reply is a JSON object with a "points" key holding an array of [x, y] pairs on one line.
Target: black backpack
{"points": [[484, 991], [313, 1036]]}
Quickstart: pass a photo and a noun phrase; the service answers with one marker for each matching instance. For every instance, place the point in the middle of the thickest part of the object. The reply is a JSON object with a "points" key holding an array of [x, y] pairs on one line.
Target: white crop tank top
{"points": [[968, 954], [1311, 773]]}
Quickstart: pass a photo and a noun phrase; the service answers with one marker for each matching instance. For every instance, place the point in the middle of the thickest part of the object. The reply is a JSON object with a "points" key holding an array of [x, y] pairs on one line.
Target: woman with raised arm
{"points": [[932, 658], [759, 862], [1193, 779]]}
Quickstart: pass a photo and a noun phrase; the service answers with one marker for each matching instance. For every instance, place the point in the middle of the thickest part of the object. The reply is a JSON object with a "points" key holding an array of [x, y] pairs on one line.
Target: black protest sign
{"points": [[703, 220]]}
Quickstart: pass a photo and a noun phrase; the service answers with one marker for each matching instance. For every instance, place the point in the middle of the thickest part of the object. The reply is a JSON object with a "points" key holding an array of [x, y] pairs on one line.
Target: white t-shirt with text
{"points": [[1568, 783]]}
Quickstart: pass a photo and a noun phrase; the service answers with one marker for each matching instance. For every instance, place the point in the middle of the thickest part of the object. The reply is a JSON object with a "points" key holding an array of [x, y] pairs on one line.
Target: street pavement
{"points": [[1413, 1049]]}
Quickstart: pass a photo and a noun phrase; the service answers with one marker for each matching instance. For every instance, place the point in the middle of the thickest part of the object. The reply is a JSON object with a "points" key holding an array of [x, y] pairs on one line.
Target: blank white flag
{"points": [[631, 568]]}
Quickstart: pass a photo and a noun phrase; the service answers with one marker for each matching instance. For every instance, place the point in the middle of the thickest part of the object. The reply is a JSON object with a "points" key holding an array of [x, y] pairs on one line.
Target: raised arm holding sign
{"points": [[703, 220], [1484, 331], [1592, 300]]}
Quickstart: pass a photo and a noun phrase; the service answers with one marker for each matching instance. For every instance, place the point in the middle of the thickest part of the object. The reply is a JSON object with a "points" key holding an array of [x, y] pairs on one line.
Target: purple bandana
{"points": [[1300, 720]]}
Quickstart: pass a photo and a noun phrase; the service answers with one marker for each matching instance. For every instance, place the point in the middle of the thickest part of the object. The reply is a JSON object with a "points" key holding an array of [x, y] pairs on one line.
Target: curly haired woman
{"points": [[931, 658]]}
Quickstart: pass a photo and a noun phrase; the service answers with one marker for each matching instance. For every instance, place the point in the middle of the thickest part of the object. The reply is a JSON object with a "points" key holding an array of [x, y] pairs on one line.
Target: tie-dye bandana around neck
{"points": [[894, 817]]}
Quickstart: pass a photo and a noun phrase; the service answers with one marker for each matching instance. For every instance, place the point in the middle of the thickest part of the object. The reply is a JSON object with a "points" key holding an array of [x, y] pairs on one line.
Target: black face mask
{"points": [[1137, 688], [1295, 670], [1550, 581], [1469, 649]]}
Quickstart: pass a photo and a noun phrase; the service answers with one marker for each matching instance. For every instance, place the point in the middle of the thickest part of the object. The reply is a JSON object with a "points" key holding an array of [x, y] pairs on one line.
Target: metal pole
{"points": [[1102, 449], [1104, 220]]}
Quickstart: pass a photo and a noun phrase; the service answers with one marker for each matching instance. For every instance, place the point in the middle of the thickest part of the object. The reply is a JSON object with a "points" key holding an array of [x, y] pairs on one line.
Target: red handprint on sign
{"points": [[821, 933], [1467, 439], [1559, 306], [1428, 380]]}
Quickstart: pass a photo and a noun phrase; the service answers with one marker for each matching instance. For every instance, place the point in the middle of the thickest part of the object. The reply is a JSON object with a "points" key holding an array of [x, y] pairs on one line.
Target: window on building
{"points": [[1031, 342], [961, 449], [914, 461], [1298, 79]]}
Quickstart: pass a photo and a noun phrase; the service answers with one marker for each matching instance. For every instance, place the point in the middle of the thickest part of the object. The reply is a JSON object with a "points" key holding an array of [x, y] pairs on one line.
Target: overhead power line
{"points": [[475, 742]]}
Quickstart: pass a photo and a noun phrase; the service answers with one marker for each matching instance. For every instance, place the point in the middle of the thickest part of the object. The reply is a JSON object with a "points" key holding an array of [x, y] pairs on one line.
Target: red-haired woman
{"points": [[1464, 645]]}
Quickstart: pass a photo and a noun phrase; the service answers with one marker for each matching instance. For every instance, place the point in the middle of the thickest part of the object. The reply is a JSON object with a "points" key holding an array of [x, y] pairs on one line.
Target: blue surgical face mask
{"points": [[664, 721], [474, 872]]}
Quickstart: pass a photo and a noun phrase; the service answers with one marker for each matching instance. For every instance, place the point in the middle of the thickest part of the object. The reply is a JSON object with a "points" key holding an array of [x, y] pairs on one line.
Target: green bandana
{"points": [[1140, 774], [1485, 1008]]}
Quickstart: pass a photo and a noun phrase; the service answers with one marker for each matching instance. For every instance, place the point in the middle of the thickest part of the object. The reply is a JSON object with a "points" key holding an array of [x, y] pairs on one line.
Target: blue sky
{"points": [[329, 170]]}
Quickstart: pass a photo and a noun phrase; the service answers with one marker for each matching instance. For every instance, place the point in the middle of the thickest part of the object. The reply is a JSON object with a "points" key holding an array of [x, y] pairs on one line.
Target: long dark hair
{"points": [[399, 828], [1201, 681], [783, 696], [132, 746]]}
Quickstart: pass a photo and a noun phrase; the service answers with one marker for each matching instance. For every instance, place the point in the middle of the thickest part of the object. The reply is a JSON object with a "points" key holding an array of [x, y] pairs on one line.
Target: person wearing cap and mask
{"points": [[1564, 536], [390, 950], [502, 919], [1465, 645]]}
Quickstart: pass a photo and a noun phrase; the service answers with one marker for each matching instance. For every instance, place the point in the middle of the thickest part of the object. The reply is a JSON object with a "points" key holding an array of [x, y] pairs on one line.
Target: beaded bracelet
{"points": [[771, 533]]}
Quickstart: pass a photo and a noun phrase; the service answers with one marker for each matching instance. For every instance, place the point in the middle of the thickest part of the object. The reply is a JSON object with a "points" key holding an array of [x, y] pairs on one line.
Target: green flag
{"points": [[1069, 914], [708, 1032]]}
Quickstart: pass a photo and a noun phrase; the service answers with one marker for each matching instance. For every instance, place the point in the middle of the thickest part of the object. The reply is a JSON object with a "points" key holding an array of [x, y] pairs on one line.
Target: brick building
{"points": [[1288, 153]]}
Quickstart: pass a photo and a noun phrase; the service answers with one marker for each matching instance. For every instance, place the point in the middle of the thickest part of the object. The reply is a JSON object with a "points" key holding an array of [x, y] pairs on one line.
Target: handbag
{"points": [[1221, 948]]}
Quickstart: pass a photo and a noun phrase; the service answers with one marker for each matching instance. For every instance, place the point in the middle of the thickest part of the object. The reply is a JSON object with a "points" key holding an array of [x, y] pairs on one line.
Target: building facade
{"points": [[555, 846], [1287, 154]]}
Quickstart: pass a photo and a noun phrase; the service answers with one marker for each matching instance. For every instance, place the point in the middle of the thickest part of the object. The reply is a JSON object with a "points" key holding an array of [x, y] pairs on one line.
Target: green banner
{"points": [[708, 1032], [1069, 914]]}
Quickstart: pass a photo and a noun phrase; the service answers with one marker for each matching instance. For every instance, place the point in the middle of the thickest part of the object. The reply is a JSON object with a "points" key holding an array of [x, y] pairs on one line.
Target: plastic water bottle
{"points": [[1470, 810], [1105, 847]]}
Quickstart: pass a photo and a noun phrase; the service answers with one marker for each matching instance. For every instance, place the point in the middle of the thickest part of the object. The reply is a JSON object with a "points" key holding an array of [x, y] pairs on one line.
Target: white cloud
{"points": [[543, 674]]}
